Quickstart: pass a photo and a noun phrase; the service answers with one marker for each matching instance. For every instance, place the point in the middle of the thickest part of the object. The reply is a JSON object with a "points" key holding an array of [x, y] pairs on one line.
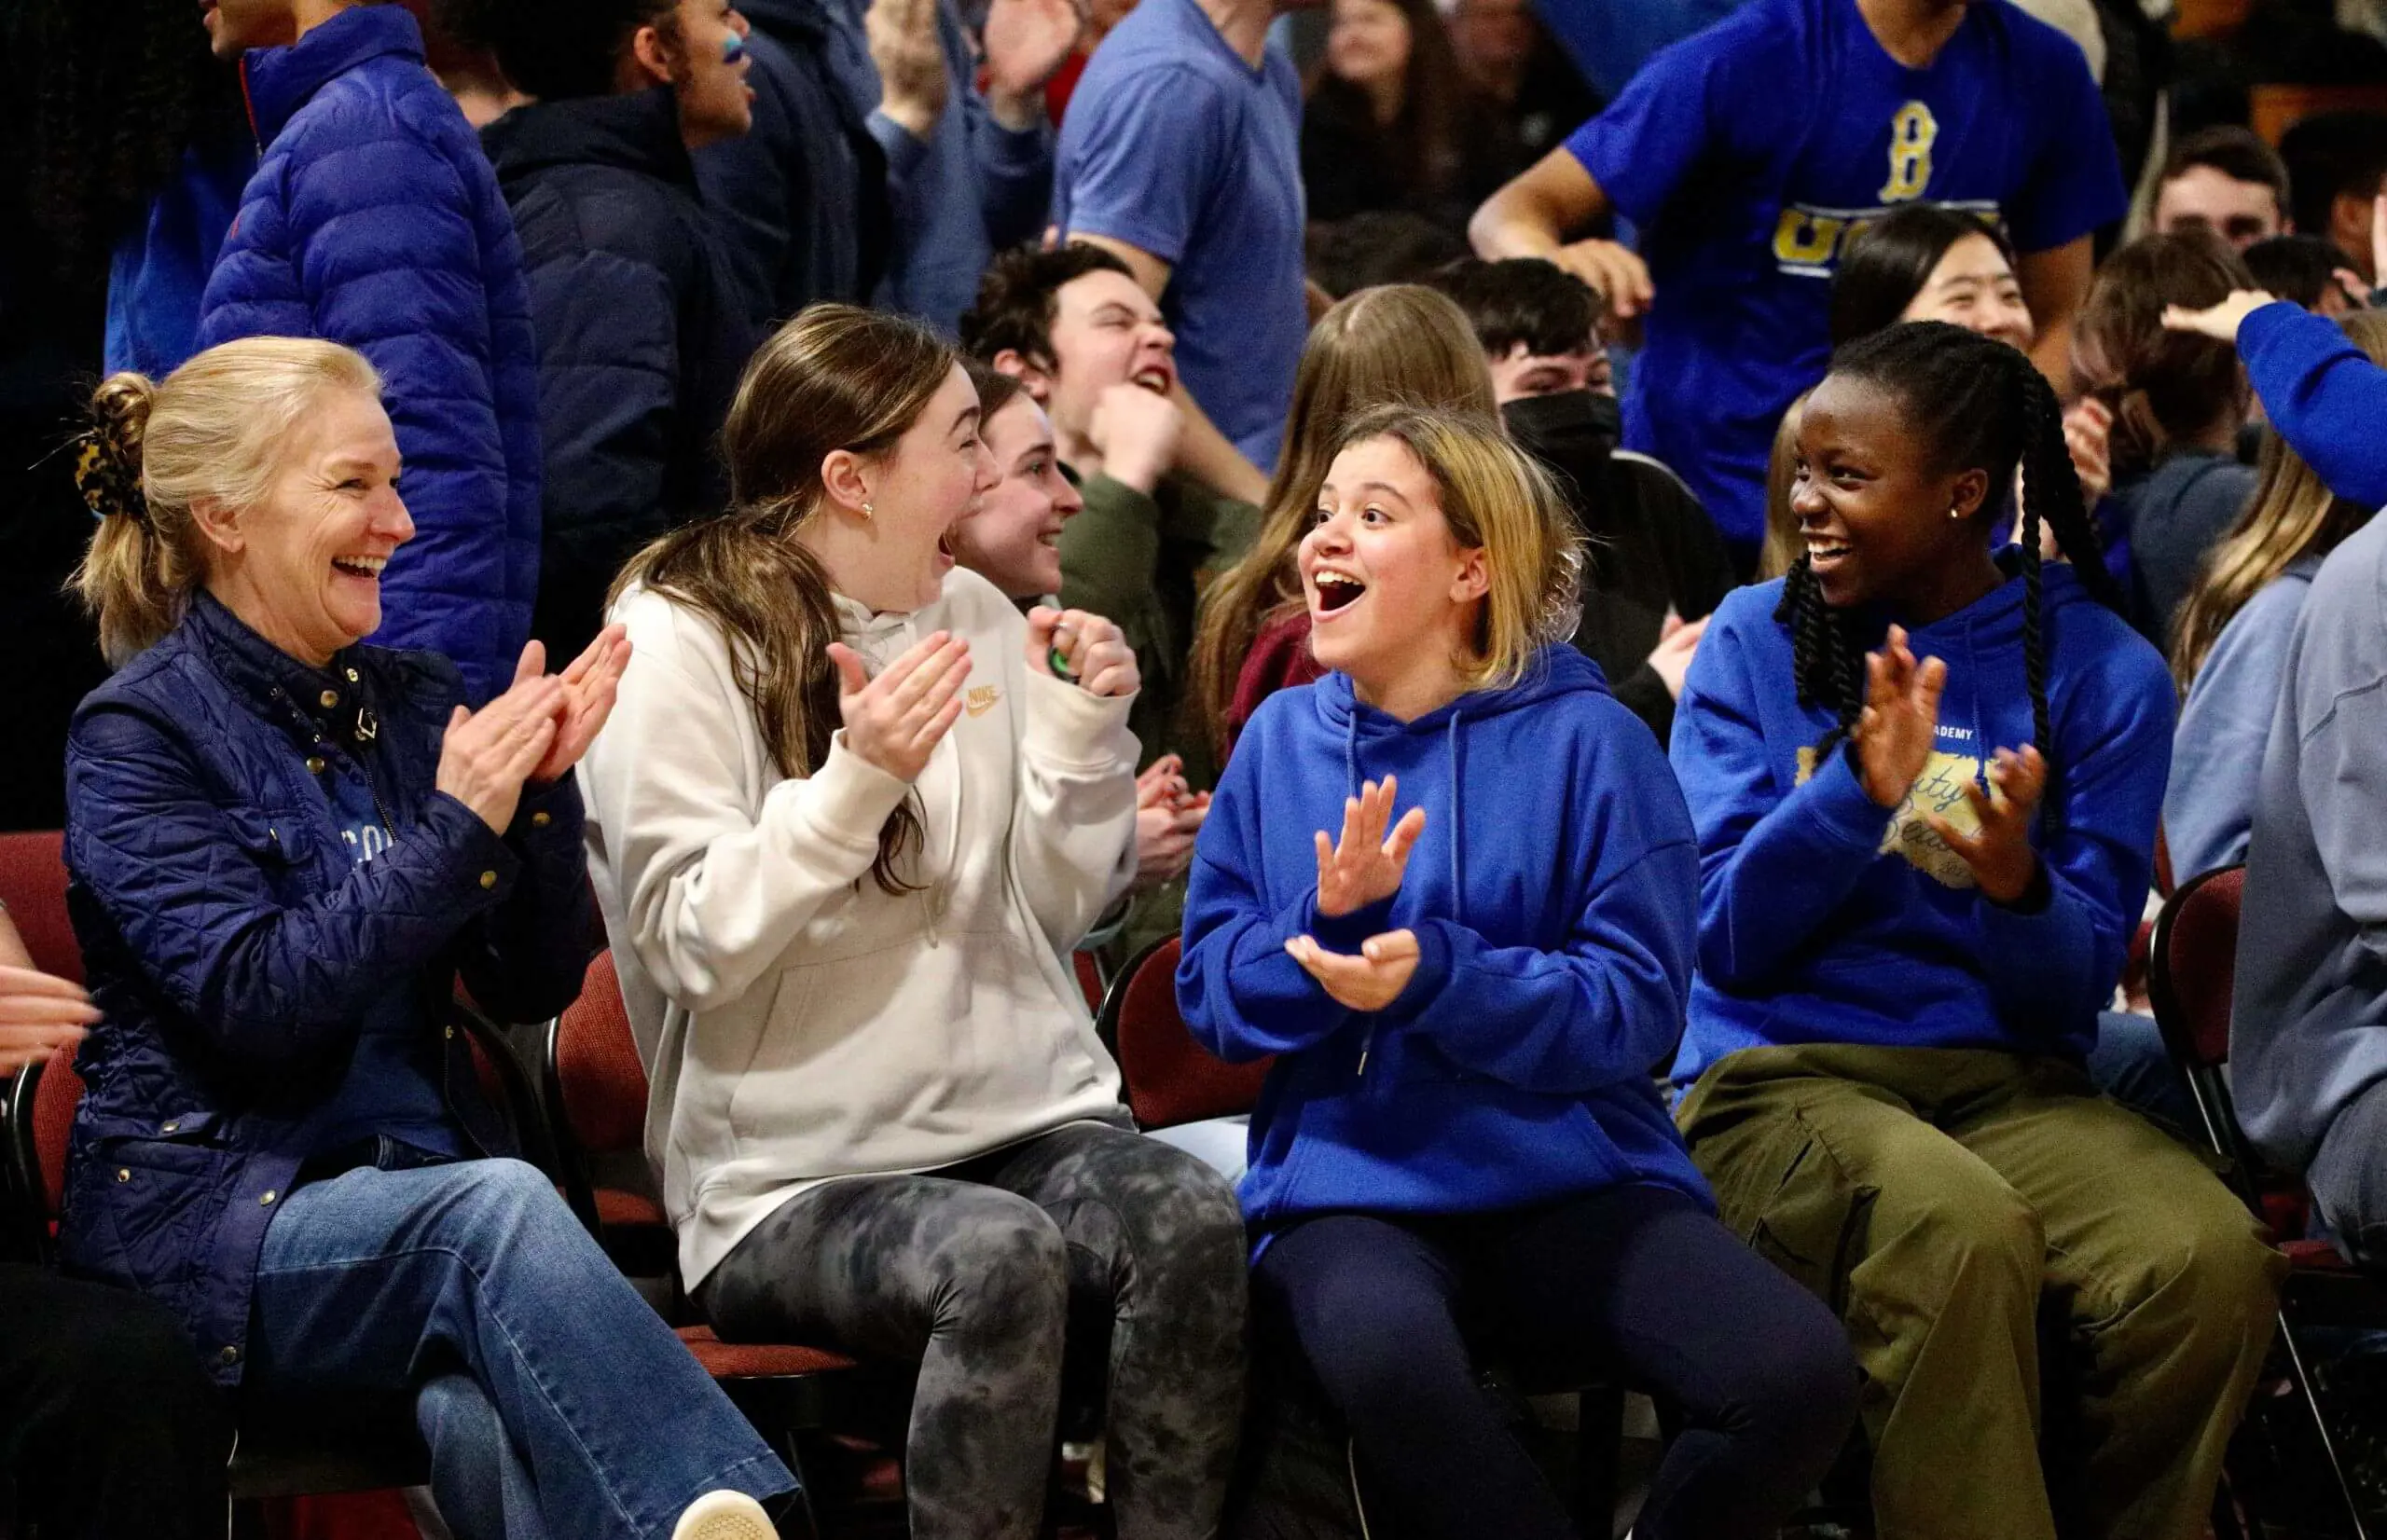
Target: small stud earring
{"points": [[868, 512], [1954, 512]]}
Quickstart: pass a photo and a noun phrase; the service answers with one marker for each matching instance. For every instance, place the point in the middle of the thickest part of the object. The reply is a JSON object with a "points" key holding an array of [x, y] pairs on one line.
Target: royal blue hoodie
{"points": [[1551, 894], [1824, 917]]}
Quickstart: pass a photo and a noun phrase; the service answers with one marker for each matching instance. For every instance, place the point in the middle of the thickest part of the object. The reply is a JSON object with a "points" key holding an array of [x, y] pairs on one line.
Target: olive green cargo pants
{"points": [[1958, 1207]]}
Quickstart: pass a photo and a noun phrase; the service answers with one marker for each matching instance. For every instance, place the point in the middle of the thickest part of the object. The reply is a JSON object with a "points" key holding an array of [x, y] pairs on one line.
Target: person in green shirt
{"points": [[1089, 346]]}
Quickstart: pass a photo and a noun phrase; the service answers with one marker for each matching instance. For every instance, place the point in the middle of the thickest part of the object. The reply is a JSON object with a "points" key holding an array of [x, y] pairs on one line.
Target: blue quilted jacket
{"points": [[374, 220], [236, 951]]}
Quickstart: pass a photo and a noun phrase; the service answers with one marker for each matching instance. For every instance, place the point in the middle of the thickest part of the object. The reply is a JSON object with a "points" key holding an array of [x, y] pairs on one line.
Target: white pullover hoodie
{"points": [[797, 1022]]}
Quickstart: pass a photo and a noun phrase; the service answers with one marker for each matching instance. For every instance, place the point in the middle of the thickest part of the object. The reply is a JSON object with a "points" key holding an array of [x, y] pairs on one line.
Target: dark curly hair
{"points": [[111, 104], [1523, 299], [1980, 404], [1018, 296]]}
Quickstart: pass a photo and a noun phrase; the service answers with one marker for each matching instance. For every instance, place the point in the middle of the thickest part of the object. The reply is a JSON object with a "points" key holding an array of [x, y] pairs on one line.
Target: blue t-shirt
{"points": [[391, 1088], [1175, 145], [1750, 153]]}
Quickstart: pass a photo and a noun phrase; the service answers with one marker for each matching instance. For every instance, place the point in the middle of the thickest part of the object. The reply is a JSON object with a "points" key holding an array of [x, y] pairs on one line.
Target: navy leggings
{"points": [[1634, 1280]]}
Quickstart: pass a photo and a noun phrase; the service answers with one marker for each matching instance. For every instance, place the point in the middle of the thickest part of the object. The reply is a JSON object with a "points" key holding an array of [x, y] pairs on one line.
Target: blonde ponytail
{"points": [[210, 431]]}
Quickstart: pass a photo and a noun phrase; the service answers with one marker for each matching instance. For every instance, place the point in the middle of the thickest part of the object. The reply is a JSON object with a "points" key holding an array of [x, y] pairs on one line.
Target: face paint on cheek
{"points": [[733, 48]]}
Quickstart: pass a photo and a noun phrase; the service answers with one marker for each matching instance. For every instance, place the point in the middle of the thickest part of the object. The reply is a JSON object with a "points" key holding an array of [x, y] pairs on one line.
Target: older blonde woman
{"points": [[286, 850]]}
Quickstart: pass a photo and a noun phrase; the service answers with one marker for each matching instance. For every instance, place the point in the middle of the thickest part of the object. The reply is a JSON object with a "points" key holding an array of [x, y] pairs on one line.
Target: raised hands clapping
{"points": [[896, 720], [1364, 867], [1900, 721]]}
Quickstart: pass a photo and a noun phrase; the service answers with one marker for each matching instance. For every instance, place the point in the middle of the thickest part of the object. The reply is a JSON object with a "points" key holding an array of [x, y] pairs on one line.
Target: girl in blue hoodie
{"points": [[1925, 779], [1466, 1002]]}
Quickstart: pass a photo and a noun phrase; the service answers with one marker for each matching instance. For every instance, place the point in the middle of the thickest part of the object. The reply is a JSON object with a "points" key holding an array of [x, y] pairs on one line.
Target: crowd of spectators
{"points": [[1644, 590]]}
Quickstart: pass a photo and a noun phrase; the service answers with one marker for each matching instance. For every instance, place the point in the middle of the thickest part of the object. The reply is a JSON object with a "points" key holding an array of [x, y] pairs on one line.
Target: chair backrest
{"points": [[1089, 971], [1171, 1078], [598, 1080], [41, 1102], [32, 884], [2193, 968]]}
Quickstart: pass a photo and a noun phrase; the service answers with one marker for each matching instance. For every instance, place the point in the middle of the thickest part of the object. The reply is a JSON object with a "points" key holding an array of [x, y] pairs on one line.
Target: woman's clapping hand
{"points": [[896, 720]]}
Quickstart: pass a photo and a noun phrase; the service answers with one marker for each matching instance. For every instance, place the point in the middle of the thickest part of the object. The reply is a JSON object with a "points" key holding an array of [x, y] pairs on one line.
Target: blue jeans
{"points": [[2131, 1065], [553, 1398]]}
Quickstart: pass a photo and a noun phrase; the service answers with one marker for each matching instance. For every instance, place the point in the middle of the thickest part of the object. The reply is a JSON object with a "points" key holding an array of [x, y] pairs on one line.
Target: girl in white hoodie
{"points": [[849, 813]]}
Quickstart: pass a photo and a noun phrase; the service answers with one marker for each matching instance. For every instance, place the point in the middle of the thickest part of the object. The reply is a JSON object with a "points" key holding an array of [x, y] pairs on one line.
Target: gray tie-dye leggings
{"points": [[973, 1269]]}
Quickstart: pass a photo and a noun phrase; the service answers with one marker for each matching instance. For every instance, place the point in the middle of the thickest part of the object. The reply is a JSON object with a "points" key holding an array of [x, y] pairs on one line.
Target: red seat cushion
{"points": [[759, 1360], [617, 1208], [1171, 1078], [2315, 1256]]}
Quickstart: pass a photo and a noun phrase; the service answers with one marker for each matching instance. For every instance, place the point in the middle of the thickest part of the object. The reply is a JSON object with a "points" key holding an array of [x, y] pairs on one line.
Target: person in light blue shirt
{"points": [[1181, 154], [2230, 651], [1750, 156]]}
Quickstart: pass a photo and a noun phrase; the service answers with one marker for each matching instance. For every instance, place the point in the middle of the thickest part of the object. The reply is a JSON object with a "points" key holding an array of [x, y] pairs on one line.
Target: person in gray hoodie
{"points": [[2308, 1036]]}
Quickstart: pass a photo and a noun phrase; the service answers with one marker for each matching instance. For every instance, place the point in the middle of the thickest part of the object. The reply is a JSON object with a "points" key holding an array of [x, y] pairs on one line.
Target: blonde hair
{"points": [[1496, 499], [1399, 343], [1781, 546], [213, 431], [2293, 514]]}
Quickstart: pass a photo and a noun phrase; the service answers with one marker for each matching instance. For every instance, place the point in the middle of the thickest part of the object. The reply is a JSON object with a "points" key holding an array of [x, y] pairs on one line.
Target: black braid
{"points": [[1825, 664]]}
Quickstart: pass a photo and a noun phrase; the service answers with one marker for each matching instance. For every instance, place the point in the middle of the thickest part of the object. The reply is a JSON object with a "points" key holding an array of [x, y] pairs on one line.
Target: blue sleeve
{"points": [[1014, 167], [2074, 184], [2112, 756], [2217, 753], [1772, 868], [525, 959], [1241, 992], [2324, 397], [183, 879], [1137, 162], [1607, 1007], [1689, 101], [390, 262]]}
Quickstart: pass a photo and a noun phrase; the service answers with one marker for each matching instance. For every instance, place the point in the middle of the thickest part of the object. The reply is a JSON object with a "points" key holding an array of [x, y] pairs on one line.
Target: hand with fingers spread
{"points": [[589, 687], [1025, 41], [896, 720], [1366, 865], [1094, 652], [2219, 322], [1900, 721], [1371, 981], [2002, 863], [486, 755], [39, 1012]]}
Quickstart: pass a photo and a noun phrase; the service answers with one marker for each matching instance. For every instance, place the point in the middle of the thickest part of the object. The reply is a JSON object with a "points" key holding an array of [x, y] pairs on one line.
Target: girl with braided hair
{"points": [[1925, 779]]}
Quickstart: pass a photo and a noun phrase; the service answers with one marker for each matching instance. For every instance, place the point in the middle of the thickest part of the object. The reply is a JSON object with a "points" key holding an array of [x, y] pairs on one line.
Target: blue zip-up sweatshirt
{"points": [[1551, 895], [2323, 394], [1824, 917]]}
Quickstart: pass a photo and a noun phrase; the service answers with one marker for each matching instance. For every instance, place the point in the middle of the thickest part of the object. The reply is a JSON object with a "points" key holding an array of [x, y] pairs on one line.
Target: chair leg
{"points": [[2311, 1398], [801, 1520], [1599, 1435]]}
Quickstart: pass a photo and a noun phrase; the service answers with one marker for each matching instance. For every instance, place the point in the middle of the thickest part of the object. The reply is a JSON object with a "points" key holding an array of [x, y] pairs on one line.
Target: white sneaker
{"points": [[724, 1516]]}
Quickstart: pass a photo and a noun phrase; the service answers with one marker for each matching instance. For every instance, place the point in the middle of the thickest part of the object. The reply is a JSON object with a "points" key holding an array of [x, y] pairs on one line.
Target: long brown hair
{"points": [[1427, 135], [1401, 344], [2163, 386], [2293, 514], [836, 378]]}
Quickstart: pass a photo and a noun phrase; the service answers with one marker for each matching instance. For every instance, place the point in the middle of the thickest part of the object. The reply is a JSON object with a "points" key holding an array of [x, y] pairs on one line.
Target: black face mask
{"points": [[1571, 426]]}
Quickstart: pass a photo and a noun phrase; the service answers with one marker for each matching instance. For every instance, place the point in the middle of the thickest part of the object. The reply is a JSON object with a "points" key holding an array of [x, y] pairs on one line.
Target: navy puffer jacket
{"points": [[236, 951], [374, 220], [643, 328]]}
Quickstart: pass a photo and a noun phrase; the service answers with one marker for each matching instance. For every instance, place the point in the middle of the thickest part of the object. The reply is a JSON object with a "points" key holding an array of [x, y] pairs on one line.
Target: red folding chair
{"points": [[32, 884], [315, 1451], [596, 1088], [1170, 1078], [2192, 974]]}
